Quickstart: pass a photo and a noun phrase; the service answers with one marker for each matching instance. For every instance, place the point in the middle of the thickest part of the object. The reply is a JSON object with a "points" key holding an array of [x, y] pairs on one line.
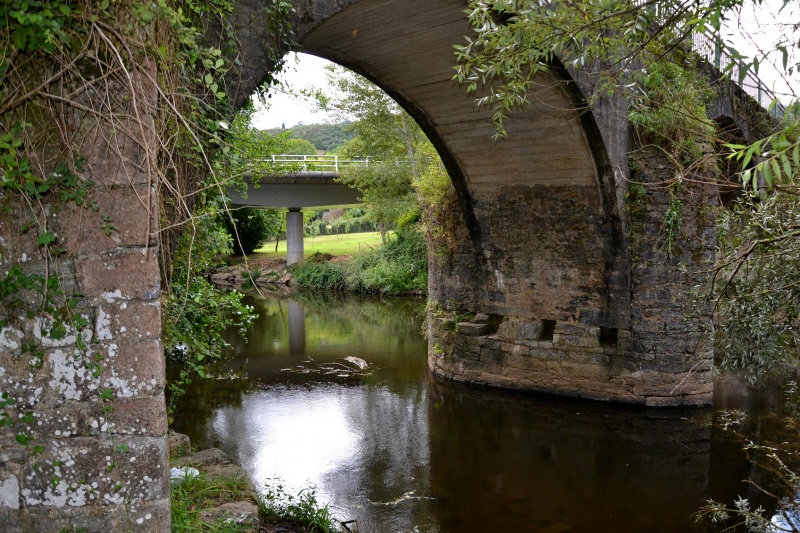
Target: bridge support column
{"points": [[294, 236]]}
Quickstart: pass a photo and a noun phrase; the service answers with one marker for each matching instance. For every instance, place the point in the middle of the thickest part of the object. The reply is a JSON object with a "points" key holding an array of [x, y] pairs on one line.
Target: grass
{"points": [[198, 493], [346, 244]]}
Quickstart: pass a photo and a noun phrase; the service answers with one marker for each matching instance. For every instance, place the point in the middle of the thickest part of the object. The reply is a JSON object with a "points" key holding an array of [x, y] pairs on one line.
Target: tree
{"points": [[325, 137], [299, 147], [613, 41], [398, 152], [250, 228]]}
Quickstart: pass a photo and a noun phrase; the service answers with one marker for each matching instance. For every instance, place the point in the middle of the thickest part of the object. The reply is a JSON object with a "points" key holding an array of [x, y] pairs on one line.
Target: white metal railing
{"points": [[709, 49], [329, 163], [320, 163]]}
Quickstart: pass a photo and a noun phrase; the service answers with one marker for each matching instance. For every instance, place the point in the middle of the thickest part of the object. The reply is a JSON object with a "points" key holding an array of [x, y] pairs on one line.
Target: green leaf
{"points": [[46, 238], [776, 169], [765, 170]]}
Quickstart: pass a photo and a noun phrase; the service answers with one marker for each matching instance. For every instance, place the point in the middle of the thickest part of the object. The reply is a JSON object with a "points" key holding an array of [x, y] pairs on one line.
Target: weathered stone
{"points": [[228, 471], [96, 473], [469, 328], [178, 444], [140, 416], [128, 371], [481, 318], [123, 322], [222, 278], [130, 273], [204, 458], [82, 230], [245, 513]]}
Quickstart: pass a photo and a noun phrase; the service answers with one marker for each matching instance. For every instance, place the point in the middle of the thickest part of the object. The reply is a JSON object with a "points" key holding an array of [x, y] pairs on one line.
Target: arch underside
{"points": [[533, 201]]}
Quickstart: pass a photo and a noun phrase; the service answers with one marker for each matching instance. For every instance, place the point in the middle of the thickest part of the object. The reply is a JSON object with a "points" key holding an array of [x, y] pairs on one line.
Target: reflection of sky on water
{"points": [[362, 447], [297, 436]]}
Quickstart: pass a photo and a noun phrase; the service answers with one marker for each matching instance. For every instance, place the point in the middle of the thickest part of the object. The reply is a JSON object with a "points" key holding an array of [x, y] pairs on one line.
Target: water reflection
{"points": [[577, 466], [297, 328], [401, 451]]}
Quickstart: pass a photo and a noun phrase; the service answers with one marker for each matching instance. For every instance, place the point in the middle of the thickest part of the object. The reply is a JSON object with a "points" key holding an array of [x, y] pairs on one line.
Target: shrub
{"points": [[277, 506], [399, 267], [396, 268], [320, 276], [253, 226]]}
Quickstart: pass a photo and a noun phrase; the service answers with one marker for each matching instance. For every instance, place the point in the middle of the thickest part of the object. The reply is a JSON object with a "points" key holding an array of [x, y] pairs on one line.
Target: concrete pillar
{"points": [[294, 236]]}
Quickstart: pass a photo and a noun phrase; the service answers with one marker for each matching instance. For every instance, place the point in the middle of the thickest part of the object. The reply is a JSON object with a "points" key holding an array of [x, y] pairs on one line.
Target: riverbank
{"points": [[210, 493], [397, 268]]}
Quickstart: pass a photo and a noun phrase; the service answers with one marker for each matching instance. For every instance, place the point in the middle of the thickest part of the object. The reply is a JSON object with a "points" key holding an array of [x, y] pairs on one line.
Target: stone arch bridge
{"points": [[551, 278]]}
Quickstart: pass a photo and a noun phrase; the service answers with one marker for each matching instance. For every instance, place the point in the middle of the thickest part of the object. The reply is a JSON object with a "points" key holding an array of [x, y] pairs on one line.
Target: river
{"points": [[399, 450]]}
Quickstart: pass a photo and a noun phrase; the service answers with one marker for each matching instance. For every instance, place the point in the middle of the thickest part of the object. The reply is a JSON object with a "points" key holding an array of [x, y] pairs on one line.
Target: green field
{"points": [[346, 244]]}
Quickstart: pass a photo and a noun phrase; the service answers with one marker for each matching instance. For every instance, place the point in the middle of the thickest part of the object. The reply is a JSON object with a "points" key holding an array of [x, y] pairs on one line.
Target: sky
{"points": [[759, 28], [756, 28], [302, 71]]}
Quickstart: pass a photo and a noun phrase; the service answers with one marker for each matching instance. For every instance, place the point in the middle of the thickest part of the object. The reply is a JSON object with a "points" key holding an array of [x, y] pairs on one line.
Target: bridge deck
{"points": [[297, 190]]}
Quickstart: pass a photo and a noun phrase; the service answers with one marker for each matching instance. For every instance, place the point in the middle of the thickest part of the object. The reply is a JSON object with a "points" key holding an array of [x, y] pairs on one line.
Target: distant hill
{"points": [[324, 136]]}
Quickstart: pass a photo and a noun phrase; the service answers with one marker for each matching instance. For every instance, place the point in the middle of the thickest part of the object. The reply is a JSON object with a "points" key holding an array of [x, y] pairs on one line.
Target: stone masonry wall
{"points": [[91, 403], [531, 308]]}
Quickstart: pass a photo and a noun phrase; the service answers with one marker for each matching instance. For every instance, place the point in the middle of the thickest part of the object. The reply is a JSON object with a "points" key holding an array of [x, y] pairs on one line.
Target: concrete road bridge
{"points": [[294, 183], [552, 277]]}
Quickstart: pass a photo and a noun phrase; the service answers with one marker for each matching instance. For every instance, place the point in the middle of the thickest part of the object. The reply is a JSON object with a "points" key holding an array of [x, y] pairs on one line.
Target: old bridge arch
{"points": [[542, 277]]}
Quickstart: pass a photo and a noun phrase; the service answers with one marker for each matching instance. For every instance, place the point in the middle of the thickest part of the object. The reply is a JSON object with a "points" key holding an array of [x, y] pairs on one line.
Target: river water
{"points": [[399, 450]]}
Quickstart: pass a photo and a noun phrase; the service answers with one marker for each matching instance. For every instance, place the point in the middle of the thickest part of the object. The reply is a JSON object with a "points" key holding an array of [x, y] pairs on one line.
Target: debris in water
{"points": [[360, 363]]}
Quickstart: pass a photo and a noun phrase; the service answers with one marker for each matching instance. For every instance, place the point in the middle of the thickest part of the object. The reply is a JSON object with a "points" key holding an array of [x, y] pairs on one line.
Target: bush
{"points": [[253, 226], [409, 250], [320, 276]]}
